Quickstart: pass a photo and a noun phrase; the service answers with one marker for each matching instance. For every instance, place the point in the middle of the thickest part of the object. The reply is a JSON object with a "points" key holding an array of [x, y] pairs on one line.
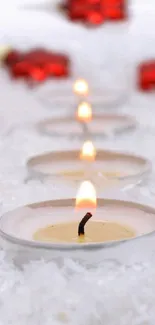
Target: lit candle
{"points": [[86, 196], [86, 230], [84, 112], [89, 235], [87, 155], [80, 88], [88, 152], [84, 115]]}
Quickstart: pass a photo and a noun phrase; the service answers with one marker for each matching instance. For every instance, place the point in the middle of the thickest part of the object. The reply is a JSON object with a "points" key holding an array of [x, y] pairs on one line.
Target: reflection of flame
{"points": [[88, 151], [80, 87], [84, 113], [86, 196]]}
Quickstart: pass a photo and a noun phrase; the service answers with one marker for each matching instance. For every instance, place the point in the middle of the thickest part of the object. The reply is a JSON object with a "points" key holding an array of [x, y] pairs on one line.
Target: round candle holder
{"points": [[101, 125], [109, 166], [17, 228], [62, 97]]}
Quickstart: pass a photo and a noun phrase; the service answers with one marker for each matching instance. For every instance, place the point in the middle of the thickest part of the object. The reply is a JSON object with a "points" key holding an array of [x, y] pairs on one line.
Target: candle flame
{"points": [[84, 113], [86, 196], [80, 87], [88, 151]]}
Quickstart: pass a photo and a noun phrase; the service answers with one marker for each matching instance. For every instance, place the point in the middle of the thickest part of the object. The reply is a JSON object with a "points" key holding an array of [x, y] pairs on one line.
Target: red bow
{"points": [[96, 12], [146, 76], [37, 65]]}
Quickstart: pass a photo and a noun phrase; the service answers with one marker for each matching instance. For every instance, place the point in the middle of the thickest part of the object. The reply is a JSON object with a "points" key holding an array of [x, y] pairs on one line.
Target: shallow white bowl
{"points": [[18, 226], [120, 168], [101, 125]]}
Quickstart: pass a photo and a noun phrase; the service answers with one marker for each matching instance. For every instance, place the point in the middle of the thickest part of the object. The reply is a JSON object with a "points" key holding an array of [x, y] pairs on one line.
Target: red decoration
{"points": [[37, 65], [88, 11], [116, 9], [95, 12], [146, 76], [20, 69], [38, 74], [12, 57], [77, 10]]}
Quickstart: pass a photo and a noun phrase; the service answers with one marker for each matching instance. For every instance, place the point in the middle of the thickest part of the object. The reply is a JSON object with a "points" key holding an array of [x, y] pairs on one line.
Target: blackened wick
{"points": [[83, 222]]}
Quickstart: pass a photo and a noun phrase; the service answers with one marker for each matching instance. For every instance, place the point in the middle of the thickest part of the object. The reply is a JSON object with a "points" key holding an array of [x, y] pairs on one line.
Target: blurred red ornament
{"points": [[95, 18], [58, 66], [38, 74], [116, 9], [77, 10], [56, 69], [146, 76], [12, 57], [21, 69], [37, 64], [38, 56], [89, 11], [95, 12]]}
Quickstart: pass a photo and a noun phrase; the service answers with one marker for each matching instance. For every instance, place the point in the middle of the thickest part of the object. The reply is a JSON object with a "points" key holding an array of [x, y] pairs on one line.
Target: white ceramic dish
{"points": [[101, 125], [18, 226], [60, 96], [120, 168]]}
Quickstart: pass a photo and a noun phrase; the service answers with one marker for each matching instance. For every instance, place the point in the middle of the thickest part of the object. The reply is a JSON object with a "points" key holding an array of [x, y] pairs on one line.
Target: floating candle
{"points": [[100, 125], [84, 115], [23, 228], [84, 112], [88, 151], [80, 87], [96, 231], [121, 169], [88, 155]]}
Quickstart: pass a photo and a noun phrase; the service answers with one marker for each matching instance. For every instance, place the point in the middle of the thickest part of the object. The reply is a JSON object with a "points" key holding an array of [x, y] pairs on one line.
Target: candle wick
{"points": [[83, 222]]}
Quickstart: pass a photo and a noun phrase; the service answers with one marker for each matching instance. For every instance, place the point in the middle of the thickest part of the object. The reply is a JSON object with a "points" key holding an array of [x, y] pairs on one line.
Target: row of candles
{"points": [[84, 116], [84, 112], [86, 196], [89, 220], [86, 199]]}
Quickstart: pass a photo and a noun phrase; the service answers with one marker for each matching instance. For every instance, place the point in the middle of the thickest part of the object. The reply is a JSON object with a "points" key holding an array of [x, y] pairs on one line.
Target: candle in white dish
{"points": [[81, 88], [88, 152], [86, 230], [99, 125], [84, 112], [119, 167], [84, 116], [88, 155]]}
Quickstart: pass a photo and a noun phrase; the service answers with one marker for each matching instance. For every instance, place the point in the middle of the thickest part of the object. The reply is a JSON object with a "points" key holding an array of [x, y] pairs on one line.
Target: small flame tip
{"points": [[86, 197]]}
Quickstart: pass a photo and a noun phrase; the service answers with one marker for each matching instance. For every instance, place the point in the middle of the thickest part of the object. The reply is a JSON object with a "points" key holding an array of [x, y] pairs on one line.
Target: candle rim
{"points": [[71, 246], [145, 164]]}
